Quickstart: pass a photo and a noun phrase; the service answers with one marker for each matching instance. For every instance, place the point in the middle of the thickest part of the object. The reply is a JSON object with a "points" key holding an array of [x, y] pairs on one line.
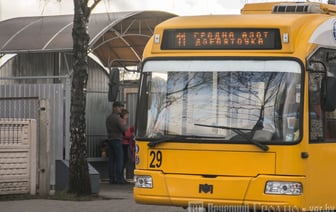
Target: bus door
{"points": [[321, 154]]}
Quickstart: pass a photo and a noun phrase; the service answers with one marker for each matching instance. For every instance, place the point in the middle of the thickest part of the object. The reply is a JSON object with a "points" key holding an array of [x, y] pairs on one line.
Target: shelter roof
{"points": [[113, 36]]}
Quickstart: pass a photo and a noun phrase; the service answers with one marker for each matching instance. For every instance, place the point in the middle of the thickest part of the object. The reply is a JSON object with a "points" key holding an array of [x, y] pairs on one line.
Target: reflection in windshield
{"points": [[253, 136], [255, 95]]}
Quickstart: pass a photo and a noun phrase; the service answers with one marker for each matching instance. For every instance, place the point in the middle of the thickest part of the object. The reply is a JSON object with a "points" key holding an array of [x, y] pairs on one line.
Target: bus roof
{"points": [[251, 20], [288, 7]]}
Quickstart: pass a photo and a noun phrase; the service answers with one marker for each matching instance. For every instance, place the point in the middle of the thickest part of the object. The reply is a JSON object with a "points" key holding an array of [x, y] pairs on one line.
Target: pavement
{"points": [[115, 198]]}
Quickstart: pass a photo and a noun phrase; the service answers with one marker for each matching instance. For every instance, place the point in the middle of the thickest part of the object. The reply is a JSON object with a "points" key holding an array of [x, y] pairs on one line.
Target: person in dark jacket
{"points": [[115, 131]]}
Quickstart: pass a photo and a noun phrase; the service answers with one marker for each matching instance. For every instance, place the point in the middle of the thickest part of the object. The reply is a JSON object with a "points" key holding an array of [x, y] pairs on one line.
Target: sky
{"points": [[16, 8], [19, 8]]}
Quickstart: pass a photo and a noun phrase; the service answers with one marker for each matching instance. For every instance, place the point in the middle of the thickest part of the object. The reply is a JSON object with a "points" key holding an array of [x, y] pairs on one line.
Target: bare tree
{"points": [[79, 179]]}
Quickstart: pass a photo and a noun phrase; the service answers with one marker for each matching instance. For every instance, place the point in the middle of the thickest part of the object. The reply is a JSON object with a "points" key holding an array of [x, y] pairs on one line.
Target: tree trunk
{"points": [[79, 179]]}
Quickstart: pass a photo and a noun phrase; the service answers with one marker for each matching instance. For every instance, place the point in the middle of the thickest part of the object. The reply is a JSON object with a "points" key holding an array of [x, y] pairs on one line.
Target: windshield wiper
{"points": [[240, 132], [177, 138]]}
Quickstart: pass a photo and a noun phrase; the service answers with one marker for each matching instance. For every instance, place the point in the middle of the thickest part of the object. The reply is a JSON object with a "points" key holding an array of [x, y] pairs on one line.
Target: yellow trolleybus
{"points": [[237, 112]]}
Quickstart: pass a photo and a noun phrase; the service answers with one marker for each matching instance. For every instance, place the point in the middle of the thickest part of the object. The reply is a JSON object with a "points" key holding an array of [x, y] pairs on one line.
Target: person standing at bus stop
{"points": [[128, 135], [115, 129]]}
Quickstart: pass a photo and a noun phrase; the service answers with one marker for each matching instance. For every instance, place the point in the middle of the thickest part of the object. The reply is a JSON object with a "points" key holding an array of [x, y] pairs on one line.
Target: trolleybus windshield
{"points": [[222, 100]]}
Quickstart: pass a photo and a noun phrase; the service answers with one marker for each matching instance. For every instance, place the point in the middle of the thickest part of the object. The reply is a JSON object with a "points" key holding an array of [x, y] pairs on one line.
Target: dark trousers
{"points": [[128, 163], [116, 161]]}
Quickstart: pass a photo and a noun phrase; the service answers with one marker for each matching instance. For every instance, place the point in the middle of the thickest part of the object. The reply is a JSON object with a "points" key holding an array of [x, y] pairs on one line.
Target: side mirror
{"points": [[328, 97], [113, 85]]}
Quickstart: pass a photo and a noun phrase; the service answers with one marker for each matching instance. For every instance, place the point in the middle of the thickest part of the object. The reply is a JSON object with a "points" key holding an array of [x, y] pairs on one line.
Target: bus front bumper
{"points": [[226, 191]]}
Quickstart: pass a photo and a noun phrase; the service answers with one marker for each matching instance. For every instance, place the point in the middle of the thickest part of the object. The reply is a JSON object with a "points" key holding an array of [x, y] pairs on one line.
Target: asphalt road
{"points": [[116, 198]]}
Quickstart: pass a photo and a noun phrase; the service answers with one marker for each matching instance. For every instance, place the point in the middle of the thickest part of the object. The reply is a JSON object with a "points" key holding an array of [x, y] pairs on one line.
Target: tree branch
{"points": [[94, 4]]}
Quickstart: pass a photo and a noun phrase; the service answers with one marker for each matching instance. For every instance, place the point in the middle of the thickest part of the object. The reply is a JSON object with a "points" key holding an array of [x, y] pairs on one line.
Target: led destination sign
{"points": [[221, 39]]}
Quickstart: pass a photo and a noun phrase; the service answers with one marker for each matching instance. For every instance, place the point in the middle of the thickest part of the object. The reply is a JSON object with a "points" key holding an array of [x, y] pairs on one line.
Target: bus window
{"points": [[322, 121], [316, 113], [221, 100]]}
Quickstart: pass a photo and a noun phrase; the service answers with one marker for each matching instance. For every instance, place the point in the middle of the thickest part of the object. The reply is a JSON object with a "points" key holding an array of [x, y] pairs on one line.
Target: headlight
{"points": [[143, 181], [286, 188]]}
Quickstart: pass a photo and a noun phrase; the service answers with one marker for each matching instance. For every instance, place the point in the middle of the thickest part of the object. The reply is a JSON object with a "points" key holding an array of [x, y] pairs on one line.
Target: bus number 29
{"points": [[156, 159]]}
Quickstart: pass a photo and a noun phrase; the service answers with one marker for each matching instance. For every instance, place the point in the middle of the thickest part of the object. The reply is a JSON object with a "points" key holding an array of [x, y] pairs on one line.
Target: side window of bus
{"points": [[315, 111], [329, 103], [322, 113]]}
